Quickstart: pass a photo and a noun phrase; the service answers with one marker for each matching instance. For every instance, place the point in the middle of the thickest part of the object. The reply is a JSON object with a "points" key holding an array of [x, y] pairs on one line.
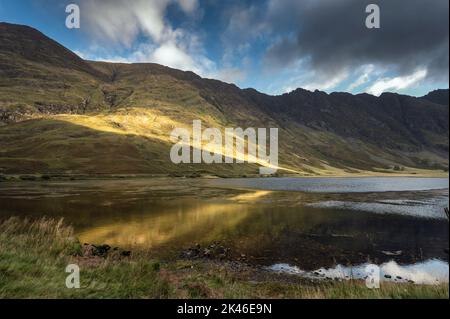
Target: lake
{"points": [[337, 185], [308, 223]]}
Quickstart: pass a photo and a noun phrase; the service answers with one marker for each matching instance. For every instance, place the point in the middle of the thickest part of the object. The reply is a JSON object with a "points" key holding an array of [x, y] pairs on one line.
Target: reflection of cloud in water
{"points": [[431, 272], [428, 208]]}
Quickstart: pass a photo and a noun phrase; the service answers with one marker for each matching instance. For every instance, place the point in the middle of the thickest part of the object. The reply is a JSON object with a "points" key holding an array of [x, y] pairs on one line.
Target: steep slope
{"points": [[62, 114], [437, 97], [38, 75], [29, 44], [390, 121]]}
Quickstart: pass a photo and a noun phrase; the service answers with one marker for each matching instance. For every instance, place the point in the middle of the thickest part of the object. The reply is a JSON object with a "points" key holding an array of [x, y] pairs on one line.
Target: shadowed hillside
{"points": [[61, 114], [438, 97]]}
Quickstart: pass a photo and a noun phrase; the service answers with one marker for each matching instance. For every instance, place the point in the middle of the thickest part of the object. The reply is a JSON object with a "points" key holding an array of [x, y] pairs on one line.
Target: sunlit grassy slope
{"points": [[136, 141], [61, 114]]}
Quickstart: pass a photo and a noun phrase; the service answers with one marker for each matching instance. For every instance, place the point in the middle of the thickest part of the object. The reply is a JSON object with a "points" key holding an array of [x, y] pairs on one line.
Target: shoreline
{"points": [[123, 274], [87, 177]]}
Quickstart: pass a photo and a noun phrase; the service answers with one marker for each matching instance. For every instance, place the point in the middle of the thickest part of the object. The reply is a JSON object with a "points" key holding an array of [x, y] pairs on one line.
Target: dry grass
{"points": [[34, 254]]}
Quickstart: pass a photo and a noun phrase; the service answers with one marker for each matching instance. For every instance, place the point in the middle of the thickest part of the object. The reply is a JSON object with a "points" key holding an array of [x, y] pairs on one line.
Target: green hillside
{"points": [[60, 114]]}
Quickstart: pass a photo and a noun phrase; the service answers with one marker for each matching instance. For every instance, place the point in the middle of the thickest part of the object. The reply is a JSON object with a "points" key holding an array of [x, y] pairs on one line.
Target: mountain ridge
{"points": [[321, 133], [191, 74], [34, 45]]}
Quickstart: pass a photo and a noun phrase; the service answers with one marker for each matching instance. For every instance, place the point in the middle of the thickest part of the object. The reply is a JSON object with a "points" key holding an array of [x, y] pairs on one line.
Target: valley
{"points": [[62, 115]]}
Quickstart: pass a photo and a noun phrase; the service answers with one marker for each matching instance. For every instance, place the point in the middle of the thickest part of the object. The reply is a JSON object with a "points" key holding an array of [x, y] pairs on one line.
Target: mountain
{"points": [[27, 44], [62, 114], [437, 97]]}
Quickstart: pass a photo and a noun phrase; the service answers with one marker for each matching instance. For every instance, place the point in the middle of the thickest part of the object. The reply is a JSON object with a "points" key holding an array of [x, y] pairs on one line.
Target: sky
{"points": [[274, 46]]}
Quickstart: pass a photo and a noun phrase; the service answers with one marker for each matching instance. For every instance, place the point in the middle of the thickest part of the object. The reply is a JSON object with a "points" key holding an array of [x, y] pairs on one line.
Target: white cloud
{"points": [[188, 6], [170, 54], [397, 83], [300, 76], [326, 84], [121, 24], [291, 31], [230, 75], [363, 78], [122, 21], [310, 81]]}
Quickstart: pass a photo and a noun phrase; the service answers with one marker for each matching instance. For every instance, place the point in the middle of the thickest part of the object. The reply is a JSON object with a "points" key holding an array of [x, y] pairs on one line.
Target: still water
{"points": [[337, 185], [305, 223]]}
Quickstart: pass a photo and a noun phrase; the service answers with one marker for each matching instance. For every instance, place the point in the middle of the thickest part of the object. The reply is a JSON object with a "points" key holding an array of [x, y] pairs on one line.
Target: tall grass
{"points": [[45, 233], [34, 255]]}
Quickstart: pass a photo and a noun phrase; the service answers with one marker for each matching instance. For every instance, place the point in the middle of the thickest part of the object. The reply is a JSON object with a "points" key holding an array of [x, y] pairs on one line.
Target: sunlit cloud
{"points": [[271, 45], [363, 78], [397, 83]]}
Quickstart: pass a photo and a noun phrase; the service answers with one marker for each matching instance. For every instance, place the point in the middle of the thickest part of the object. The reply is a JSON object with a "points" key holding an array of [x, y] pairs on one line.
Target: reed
{"points": [[35, 253]]}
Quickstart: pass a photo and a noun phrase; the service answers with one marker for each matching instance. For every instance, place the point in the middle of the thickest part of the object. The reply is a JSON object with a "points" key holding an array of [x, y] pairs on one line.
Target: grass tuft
{"points": [[34, 255]]}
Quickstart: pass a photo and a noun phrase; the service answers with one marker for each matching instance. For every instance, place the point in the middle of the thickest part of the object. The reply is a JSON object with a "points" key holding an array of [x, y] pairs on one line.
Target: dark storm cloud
{"points": [[332, 35]]}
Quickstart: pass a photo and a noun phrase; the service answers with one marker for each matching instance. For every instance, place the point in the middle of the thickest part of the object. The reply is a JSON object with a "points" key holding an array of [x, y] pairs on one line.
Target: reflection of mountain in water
{"points": [[267, 227]]}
